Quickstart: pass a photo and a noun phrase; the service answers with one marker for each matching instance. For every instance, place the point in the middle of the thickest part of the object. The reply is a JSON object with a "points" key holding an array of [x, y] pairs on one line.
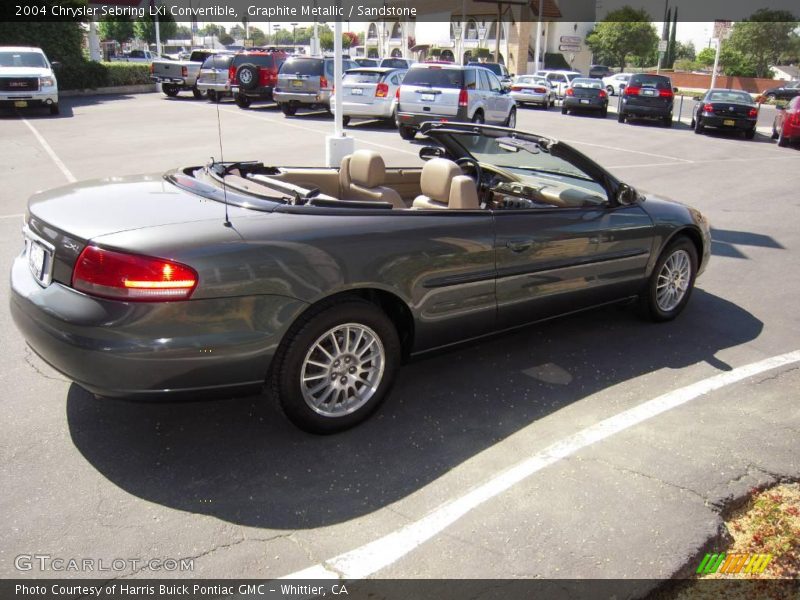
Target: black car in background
{"points": [[585, 94], [733, 110], [785, 92], [648, 96], [600, 71]]}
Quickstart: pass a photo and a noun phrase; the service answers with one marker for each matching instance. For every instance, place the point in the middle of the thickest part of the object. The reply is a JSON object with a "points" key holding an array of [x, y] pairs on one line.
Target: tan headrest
{"points": [[367, 168], [463, 194], [437, 174]]}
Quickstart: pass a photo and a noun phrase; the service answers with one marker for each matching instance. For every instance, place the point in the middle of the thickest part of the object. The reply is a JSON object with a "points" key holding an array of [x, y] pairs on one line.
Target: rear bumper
{"points": [[532, 98], [322, 97], [645, 110], [266, 92], [593, 104], [408, 119], [376, 110], [170, 80], [220, 88], [143, 350], [723, 122]]}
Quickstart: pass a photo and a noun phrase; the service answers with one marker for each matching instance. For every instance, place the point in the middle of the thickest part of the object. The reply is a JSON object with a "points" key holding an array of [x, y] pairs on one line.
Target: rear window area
{"points": [[433, 77], [738, 97], [394, 63], [652, 81], [303, 66], [261, 60], [356, 76], [587, 83]]}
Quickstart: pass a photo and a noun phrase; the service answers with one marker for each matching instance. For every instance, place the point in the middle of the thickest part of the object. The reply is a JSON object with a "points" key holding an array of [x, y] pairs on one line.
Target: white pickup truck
{"points": [[180, 75], [139, 56], [27, 79]]}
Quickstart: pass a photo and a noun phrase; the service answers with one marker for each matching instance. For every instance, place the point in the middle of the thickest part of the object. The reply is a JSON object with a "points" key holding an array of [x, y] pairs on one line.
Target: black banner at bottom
{"points": [[395, 589]]}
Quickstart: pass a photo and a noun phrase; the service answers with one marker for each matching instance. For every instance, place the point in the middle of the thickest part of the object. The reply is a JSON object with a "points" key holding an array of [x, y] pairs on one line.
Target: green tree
{"points": [[183, 33], [60, 41], [670, 56], [258, 37], [326, 40], [212, 29], [706, 57], [226, 39], [119, 29], [145, 28], [763, 38], [237, 31], [624, 32], [685, 51]]}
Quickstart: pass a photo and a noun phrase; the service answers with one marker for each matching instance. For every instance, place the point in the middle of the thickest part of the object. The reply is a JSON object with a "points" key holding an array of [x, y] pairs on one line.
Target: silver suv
{"points": [[306, 81], [447, 92]]}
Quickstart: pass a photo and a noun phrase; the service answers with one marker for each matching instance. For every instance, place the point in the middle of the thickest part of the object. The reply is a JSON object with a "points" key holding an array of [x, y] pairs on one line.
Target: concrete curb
{"points": [[145, 88]]}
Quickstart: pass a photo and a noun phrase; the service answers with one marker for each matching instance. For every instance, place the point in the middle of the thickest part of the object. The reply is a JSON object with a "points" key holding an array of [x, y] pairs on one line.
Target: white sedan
{"points": [[532, 89], [614, 84]]}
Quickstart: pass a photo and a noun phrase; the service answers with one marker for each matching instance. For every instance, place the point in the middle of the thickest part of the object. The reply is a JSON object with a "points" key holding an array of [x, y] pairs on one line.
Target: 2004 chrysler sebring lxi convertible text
{"points": [[320, 282]]}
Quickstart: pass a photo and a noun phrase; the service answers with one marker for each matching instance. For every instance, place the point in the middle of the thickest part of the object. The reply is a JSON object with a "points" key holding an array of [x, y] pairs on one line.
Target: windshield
{"points": [[22, 59], [534, 163]]}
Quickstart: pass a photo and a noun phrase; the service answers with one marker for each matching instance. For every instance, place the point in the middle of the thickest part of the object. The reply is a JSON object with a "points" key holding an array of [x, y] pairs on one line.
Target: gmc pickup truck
{"points": [[27, 79], [180, 75]]}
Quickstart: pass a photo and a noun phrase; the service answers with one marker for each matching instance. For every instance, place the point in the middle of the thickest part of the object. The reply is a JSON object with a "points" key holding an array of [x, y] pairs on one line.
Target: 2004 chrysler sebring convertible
{"points": [[320, 282]]}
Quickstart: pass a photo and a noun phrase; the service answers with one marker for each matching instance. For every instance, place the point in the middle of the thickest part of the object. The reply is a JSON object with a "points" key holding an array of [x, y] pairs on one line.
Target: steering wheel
{"points": [[468, 160]]}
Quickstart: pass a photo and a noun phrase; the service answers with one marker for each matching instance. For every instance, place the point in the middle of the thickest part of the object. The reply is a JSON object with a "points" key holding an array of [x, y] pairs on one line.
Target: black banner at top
{"points": [[386, 10]]}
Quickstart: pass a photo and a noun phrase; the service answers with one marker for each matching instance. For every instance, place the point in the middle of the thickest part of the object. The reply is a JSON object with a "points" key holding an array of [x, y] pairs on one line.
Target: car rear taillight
{"points": [[753, 113], [632, 91], [602, 94], [794, 120], [323, 82], [515, 88], [540, 90], [570, 92], [666, 94], [184, 71], [232, 73], [397, 95], [131, 277], [463, 97], [708, 108], [382, 90]]}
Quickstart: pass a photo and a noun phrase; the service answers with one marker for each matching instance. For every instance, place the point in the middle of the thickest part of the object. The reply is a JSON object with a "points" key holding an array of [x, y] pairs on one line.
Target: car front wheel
{"points": [[407, 133], [670, 286], [288, 109], [336, 366]]}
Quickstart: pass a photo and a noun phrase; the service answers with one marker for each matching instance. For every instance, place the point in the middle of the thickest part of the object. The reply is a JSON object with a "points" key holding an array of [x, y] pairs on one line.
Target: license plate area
{"points": [[40, 258], [297, 83], [729, 122], [357, 91], [427, 97], [649, 93], [20, 104], [584, 101]]}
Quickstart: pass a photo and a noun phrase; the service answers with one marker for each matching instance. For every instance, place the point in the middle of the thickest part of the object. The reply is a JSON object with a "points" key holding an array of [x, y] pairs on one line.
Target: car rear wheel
{"points": [[783, 141], [242, 101], [407, 133], [511, 121], [604, 113], [170, 90], [610, 90], [54, 110], [336, 366], [672, 281], [478, 117], [345, 121], [698, 127], [288, 109], [774, 135], [198, 94], [212, 96], [667, 121], [621, 117], [564, 110], [750, 134]]}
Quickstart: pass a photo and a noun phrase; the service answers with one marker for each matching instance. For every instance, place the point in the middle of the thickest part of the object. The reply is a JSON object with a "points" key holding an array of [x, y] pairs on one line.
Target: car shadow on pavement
{"points": [[239, 460]]}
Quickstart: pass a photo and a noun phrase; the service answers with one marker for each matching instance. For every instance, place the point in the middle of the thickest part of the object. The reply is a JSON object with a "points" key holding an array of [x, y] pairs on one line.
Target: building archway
{"points": [[447, 55], [397, 31], [467, 57], [397, 53]]}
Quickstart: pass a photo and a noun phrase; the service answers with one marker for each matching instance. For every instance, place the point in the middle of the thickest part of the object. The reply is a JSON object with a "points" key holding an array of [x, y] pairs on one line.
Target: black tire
{"points": [[750, 134], [247, 76], [212, 96], [198, 94], [242, 101], [478, 117], [288, 109], [604, 113], [783, 141], [648, 301], [407, 133], [54, 109], [610, 90], [170, 90], [698, 127], [774, 135], [287, 367], [564, 110], [691, 125], [620, 117], [511, 121], [345, 121], [552, 102], [667, 121]]}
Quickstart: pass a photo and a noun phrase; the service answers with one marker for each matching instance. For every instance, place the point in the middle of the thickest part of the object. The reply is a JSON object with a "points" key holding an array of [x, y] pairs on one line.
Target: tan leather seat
{"points": [[361, 177], [445, 186]]}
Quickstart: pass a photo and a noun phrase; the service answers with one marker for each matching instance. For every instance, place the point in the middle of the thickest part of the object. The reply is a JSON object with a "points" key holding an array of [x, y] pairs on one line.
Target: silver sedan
{"points": [[370, 93], [531, 89]]}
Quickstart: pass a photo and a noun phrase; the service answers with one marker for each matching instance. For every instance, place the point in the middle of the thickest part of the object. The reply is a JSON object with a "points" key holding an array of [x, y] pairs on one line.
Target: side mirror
{"points": [[429, 152], [626, 195], [56, 64]]}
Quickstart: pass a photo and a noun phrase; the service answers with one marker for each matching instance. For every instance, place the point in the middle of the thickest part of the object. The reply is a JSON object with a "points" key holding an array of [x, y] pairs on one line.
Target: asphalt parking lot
{"points": [[624, 440]]}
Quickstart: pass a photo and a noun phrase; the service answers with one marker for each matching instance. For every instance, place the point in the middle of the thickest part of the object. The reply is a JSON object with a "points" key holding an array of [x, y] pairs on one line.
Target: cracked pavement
{"points": [[232, 486]]}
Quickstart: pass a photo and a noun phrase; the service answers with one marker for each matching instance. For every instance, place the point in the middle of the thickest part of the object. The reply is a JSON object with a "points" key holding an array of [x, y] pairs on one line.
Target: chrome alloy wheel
{"points": [[673, 280], [342, 370]]}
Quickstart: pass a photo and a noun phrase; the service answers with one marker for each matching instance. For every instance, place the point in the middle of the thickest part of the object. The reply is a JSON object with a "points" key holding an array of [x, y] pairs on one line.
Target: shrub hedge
{"points": [[82, 75]]}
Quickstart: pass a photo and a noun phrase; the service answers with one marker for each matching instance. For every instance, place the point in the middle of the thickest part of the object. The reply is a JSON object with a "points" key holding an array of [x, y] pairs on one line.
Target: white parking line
{"points": [[675, 158], [47, 148], [19, 216], [376, 555]]}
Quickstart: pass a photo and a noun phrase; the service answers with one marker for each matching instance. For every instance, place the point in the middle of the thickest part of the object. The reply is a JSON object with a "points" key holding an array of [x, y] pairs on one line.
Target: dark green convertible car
{"points": [[319, 283]]}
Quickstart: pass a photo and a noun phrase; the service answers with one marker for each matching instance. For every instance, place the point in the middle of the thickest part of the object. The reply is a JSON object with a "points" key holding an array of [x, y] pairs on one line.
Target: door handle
{"points": [[519, 245]]}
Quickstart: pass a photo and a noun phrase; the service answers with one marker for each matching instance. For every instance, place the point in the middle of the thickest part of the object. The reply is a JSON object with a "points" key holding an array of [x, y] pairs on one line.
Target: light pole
{"points": [[457, 41], [275, 28], [294, 40]]}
